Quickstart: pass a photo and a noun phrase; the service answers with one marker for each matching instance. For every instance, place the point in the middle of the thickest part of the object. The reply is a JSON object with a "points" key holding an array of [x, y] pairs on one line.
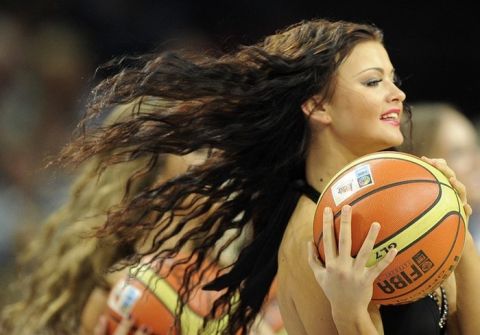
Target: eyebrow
{"points": [[378, 69]]}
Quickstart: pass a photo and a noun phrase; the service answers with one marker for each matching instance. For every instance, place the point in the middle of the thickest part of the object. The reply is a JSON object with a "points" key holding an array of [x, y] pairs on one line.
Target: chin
{"points": [[394, 141], [398, 142], [390, 145], [379, 144]]}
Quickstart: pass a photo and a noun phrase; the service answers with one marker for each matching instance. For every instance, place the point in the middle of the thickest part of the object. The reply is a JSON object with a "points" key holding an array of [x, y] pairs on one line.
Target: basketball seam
{"points": [[384, 187], [437, 178], [156, 277], [187, 311], [445, 259], [317, 243], [434, 203], [349, 166], [438, 267]]}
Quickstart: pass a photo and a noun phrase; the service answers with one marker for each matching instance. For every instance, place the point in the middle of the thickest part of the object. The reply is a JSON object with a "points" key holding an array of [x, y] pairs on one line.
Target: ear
{"points": [[314, 109]]}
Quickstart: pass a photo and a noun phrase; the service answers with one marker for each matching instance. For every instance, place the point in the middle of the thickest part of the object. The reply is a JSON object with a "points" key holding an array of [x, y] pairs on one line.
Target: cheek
{"points": [[369, 104], [362, 104], [354, 107]]}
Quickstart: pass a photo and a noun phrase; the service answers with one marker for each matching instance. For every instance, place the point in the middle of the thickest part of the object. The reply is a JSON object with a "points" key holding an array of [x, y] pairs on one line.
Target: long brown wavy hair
{"points": [[244, 108], [63, 263]]}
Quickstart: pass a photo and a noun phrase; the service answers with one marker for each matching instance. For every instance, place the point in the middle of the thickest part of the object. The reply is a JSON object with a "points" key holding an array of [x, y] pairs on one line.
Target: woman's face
{"points": [[366, 106]]}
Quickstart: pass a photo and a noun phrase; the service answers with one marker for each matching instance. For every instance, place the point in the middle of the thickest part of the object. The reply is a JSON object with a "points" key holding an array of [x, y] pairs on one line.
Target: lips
{"points": [[391, 116]]}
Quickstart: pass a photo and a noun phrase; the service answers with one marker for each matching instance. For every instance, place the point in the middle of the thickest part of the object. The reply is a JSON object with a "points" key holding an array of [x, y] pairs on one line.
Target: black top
{"points": [[421, 317]]}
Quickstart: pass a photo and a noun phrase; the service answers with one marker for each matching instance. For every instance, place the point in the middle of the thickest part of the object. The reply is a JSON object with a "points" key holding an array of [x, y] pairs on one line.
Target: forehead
{"points": [[366, 55]]}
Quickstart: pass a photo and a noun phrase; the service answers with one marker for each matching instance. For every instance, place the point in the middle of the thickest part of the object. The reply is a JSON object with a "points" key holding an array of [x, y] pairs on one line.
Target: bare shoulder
{"points": [[304, 307], [299, 231]]}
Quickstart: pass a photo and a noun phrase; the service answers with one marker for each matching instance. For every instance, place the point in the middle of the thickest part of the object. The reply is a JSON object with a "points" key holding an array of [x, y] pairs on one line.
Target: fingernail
{"points": [[346, 209], [327, 210]]}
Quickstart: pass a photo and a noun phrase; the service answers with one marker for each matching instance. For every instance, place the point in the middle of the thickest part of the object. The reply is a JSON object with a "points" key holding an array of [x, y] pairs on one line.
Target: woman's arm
{"points": [[467, 272], [328, 300], [467, 277], [346, 281]]}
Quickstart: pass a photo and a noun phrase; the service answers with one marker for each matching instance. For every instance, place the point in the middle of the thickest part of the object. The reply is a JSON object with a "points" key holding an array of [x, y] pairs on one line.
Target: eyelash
{"points": [[374, 82]]}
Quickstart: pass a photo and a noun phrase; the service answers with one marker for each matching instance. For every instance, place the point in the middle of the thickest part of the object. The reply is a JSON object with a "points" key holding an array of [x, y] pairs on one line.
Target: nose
{"points": [[397, 94]]}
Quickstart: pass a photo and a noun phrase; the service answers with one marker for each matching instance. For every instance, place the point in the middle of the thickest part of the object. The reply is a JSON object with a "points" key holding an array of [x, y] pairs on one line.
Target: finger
{"points": [[427, 159], [460, 188], [442, 165], [345, 239], [382, 264], [142, 331], [101, 327], [462, 193], [329, 244], [367, 246], [124, 326], [468, 210], [312, 253], [433, 160], [313, 260]]}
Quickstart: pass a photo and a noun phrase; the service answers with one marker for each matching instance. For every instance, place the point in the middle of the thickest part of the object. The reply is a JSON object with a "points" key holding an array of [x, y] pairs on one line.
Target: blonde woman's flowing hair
{"points": [[64, 262]]}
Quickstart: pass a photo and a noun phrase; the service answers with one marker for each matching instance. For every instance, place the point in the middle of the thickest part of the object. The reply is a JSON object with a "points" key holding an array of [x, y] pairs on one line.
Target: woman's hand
{"points": [[442, 165], [346, 281], [123, 328]]}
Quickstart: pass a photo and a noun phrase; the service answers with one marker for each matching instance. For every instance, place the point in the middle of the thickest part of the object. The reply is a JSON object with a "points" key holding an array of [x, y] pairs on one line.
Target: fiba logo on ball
{"points": [[351, 182], [364, 176], [123, 297], [420, 215], [423, 261], [399, 280]]}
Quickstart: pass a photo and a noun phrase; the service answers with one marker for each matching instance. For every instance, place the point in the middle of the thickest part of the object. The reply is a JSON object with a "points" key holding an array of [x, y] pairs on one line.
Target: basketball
{"points": [[150, 296], [420, 214]]}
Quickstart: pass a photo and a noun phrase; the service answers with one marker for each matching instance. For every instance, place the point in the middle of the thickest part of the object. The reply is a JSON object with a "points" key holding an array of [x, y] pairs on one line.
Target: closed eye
{"points": [[372, 82]]}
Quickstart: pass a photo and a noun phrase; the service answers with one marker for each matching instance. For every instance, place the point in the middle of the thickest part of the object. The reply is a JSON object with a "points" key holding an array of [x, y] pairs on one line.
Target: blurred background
{"points": [[49, 51]]}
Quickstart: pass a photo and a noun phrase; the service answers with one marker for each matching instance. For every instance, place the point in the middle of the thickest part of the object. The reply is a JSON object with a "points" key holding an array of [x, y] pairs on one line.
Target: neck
{"points": [[324, 159]]}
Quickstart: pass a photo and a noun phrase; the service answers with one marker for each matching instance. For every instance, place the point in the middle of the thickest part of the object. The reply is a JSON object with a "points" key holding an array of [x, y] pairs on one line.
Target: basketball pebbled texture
{"points": [[420, 214]]}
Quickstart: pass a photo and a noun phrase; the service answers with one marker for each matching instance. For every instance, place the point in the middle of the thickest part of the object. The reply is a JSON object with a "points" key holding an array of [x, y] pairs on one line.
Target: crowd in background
{"points": [[42, 71], [48, 65]]}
